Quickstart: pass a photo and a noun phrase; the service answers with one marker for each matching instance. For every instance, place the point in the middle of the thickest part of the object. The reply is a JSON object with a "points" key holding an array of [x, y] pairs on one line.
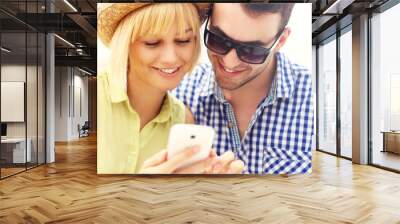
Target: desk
{"points": [[391, 141], [16, 147]]}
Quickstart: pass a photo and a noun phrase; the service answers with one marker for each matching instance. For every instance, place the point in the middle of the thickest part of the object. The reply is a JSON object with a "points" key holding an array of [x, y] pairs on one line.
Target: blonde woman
{"points": [[152, 46]]}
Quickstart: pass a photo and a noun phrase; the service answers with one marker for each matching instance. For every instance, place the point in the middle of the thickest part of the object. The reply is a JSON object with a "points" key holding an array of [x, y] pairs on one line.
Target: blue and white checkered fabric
{"points": [[278, 138]]}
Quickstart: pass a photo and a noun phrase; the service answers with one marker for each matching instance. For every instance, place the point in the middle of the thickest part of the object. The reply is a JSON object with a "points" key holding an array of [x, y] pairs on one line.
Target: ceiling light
{"points": [[65, 41], [84, 71], [5, 50], [337, 7], [70, 5]]}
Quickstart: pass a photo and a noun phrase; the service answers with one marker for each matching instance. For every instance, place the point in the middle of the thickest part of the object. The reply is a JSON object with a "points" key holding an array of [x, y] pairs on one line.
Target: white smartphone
{"points": [[182, 136]]}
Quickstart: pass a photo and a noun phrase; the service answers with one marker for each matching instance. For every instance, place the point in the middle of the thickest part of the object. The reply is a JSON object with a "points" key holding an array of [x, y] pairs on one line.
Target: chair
{"points": [[84, 130]]}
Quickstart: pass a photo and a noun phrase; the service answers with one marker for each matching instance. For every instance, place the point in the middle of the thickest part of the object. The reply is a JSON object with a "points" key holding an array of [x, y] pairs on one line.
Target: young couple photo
{"points": [[257, 101]]}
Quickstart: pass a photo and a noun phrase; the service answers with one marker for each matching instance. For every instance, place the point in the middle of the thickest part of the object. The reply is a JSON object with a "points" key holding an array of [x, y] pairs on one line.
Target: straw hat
{"points": [[110, 14]]}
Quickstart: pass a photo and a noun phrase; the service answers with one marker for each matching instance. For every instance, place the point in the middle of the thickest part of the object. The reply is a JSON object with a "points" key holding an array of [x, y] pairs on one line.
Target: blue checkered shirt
{"points": [[278, 138]]}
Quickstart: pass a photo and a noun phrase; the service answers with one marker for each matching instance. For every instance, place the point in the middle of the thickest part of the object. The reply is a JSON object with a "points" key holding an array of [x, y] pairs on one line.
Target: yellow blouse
{"points": [[121, 146]]}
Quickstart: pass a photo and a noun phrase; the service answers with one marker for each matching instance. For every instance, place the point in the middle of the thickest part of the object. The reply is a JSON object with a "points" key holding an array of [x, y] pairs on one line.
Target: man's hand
{"points": [[159, 163], [226, 164]]}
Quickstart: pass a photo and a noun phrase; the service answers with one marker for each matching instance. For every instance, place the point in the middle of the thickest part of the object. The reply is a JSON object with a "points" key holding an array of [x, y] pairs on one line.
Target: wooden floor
{"points": [[5, 172], [70, 191]]}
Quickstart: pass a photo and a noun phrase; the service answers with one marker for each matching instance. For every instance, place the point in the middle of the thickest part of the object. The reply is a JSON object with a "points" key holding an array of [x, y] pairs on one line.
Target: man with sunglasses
{"points": [[259, 103]]}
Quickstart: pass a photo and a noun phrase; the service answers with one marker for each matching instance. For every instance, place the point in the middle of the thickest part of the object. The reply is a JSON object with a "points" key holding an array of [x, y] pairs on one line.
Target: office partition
{"points": [[22, 77]]}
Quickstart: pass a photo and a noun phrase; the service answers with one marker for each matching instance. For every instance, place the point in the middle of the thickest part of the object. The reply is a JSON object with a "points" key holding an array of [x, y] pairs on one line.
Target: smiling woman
{"points": [[161, 62], [149, 22], [152, 47]]}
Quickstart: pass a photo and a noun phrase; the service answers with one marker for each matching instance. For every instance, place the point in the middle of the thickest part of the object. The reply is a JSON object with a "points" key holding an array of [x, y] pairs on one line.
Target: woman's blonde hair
{"points": [[154, 20]]}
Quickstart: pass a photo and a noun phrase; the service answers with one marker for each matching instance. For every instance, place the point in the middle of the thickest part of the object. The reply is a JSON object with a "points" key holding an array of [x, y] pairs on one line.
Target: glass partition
{"points": [[346, 94], [41, 109], [22, 88], [327, 96], [385, 89], [13, 103]]}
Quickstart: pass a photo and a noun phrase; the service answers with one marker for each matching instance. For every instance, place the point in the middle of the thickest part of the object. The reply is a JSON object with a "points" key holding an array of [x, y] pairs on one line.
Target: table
{"points": [[391, 141]]}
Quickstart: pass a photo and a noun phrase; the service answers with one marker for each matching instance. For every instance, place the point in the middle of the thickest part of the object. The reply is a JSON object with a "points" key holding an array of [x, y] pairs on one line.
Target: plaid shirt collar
{"points": [[282, 85]]}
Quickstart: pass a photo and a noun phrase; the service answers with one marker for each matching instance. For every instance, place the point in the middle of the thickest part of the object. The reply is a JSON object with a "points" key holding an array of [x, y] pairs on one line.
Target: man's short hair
{"points": [[256, 9]]}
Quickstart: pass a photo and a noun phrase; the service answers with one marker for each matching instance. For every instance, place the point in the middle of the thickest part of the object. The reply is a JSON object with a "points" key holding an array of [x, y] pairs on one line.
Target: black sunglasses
{"points": [[251, 54]]}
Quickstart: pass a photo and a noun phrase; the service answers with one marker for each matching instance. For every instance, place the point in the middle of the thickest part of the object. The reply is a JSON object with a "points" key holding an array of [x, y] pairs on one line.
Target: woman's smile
{"points": [[168, 72]]}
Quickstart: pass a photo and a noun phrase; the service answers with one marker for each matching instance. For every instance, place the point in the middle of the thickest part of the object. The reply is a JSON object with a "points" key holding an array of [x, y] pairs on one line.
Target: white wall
{"points": [[12, 73], [80, 109], [71, 94], [33, 127], [62, 81]]}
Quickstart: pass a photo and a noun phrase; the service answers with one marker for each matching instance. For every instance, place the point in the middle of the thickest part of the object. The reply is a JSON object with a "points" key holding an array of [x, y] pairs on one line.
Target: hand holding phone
{"points": [[183, 136]]}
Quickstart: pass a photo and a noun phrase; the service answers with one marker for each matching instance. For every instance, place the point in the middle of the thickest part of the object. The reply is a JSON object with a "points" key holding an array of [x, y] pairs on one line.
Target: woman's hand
{"points": [[159, 164], [213, 164]]}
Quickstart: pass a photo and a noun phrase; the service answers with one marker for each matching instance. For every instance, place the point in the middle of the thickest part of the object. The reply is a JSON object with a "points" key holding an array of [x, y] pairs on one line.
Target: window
{"points": [[385, 88], [327, 96], [346, 93]]}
